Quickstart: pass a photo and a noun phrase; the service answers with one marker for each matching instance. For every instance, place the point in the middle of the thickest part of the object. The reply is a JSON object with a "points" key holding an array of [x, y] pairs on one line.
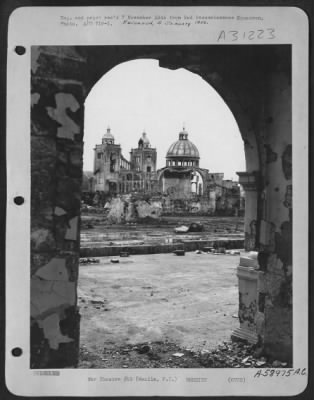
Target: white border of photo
{"points": [[33, 26]]}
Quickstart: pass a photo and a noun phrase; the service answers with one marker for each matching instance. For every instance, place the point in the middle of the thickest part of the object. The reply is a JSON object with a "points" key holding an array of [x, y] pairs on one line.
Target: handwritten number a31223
{"points": [[235, 35]]}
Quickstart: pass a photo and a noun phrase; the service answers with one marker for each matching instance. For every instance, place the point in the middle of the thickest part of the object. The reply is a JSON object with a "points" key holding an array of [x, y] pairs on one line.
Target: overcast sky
{"points": [[139, 95]]}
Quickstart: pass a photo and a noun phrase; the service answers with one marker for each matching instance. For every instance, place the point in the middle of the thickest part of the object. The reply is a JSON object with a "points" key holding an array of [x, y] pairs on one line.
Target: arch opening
{"points": [[175, 182], [259, 89]]}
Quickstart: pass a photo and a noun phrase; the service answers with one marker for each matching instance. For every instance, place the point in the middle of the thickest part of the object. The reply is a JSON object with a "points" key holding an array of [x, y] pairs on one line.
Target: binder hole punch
{"points": [[17, 352], [19, 200], [20, 50]]}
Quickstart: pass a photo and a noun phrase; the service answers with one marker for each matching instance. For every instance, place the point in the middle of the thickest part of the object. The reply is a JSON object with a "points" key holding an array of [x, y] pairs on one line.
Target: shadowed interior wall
{"points": [[255, 83]]}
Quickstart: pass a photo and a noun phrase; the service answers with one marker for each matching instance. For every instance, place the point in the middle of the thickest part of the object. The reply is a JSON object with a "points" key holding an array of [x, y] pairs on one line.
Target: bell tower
{"points": [[107, 163], [144, 158]]}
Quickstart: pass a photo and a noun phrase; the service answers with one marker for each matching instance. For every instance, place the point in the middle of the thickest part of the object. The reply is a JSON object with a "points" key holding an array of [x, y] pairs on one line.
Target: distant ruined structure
{"points": [[181, 186], [114, 174]]}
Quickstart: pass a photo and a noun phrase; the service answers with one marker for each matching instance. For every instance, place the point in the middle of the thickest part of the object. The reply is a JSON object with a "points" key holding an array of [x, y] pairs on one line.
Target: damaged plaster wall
{"points": [[56, 169], [261, 101], [276, 232], [270, 313]]}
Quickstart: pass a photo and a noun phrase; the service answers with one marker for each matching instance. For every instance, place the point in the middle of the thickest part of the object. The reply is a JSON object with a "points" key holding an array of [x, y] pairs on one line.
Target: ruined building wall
{"points": [[114, 174], [107, 165], [142, 158], [276, 226], [177, 187], [269, 216], [56, 172]]}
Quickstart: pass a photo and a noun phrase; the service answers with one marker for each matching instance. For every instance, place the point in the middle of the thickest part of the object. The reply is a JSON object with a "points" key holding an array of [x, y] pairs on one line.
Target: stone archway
{"points": [[254, 81]]}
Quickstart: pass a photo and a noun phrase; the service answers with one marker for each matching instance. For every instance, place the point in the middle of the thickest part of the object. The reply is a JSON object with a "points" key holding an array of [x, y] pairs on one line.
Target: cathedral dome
{"points": [[183, 148]]}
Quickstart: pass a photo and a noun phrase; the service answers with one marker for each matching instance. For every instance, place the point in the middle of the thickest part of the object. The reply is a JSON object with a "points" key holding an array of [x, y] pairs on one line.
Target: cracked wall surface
{"points": [[276, 242], [56, 170], [258, 91]]}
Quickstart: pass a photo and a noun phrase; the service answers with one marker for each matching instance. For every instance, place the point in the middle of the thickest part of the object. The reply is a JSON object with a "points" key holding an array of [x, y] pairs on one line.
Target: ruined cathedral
{"points": [[114, 174], [181, 185]]}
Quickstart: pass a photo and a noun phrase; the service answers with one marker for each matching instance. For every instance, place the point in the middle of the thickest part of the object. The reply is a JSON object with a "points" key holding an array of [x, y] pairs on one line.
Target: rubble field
{"points": [[97, 231], [163, 311], [173, 304], [161, 354]]}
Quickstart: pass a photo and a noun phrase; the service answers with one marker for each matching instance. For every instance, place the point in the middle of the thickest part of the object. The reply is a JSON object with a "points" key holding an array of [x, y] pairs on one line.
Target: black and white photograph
{"points": [[161, 235], [162, 169]]}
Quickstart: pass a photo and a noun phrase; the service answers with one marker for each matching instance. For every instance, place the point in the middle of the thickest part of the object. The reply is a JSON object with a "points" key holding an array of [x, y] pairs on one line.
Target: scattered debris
{"points": [[143, 349], [89, 261], [219, 250], [284, 364], [114, 260], [193, 227], [163, 354], [181, 229], [208, 249], [233, 252], [276, 364], [179, 252], [196, 227], [235, 355]]}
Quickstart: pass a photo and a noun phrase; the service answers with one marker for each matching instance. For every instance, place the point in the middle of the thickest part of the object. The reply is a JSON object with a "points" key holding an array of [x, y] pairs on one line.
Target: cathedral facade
{"points": [[114, 174], [181, 184]]}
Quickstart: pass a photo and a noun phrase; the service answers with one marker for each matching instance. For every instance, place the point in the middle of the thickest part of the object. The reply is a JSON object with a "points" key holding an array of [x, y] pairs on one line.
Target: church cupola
{"points": [[183, 153], [108, 138], [183, 135], [144, 141]]}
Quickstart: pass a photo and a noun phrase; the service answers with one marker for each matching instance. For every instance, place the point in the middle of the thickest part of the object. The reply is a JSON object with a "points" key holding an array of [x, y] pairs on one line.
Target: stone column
{"points": [[249, 182], [250, 317], [247, 272], [56, 173]]}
